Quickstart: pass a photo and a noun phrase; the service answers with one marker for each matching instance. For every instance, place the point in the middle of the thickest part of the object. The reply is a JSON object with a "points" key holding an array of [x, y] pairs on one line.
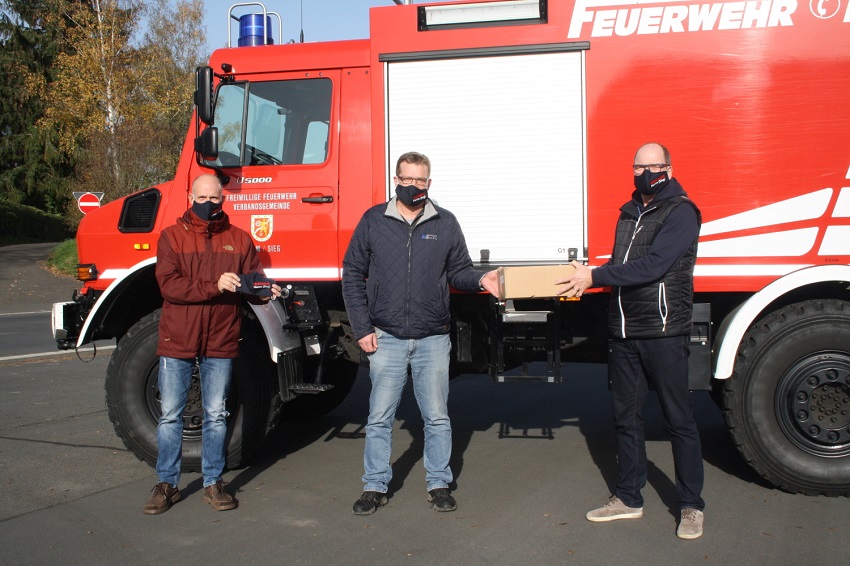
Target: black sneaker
{"points": [[369, 502], [441, 499]]}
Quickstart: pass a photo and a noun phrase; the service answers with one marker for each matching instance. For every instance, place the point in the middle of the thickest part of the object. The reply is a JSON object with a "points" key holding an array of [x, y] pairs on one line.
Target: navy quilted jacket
{"points": [[396, 276]]}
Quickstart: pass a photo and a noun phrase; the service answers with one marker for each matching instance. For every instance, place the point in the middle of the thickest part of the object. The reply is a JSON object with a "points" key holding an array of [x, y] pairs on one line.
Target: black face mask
{"points": [[649, 183], [207, 211], [411, 195]]}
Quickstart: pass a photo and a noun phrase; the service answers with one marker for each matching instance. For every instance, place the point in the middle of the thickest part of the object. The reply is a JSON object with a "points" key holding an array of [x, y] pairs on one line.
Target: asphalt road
{"points": [[529, 461]]}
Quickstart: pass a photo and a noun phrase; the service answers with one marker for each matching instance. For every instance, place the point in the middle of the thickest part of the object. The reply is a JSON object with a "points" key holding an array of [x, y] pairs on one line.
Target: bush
{"points": [[22, 224]]}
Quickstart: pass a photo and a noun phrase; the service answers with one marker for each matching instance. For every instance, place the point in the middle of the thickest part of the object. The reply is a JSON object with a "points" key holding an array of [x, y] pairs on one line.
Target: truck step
{"points": [[533, 372], [507, 378], [523, 336], [311, 388]]}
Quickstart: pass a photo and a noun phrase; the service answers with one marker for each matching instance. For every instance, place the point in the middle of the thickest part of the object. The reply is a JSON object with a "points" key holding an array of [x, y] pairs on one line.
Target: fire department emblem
{"points": [[262, 226]]}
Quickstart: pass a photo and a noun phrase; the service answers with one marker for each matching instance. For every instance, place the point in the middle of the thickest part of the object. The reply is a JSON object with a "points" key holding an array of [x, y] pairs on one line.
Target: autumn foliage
{"points": [[98, 95]]}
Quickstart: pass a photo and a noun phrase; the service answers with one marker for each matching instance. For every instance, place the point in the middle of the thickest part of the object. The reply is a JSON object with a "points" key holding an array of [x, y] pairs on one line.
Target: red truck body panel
{"points": [[754, 115]]}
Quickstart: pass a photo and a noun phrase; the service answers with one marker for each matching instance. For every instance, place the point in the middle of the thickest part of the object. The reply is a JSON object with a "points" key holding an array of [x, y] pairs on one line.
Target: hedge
{"points": [[25, 223]]}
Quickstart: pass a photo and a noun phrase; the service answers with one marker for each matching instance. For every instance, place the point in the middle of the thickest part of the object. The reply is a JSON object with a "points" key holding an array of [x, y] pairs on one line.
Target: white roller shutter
{"points": [[505, 135]]}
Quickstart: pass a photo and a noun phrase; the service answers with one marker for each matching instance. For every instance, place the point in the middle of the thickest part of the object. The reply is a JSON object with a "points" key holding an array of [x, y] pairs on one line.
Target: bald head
{"points": [[206, 188], [652, 153]]}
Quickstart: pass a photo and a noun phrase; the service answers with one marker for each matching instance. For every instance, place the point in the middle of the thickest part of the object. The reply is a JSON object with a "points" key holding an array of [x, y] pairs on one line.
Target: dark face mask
{"points": [[208, 210], [649, 183], [411, 195]]}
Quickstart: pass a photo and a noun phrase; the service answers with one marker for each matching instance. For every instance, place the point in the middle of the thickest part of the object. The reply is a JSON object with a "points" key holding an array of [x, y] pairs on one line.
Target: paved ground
{"points": [[529, 461], [25, 284]]}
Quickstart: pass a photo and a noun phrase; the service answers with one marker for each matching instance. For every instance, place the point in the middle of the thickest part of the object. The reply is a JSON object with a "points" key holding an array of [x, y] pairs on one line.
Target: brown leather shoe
{"points": [[162, 498], [219, 499]]}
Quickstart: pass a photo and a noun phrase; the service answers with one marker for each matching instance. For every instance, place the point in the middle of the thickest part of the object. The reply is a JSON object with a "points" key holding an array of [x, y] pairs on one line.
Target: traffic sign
{"points": [[87, 202]]}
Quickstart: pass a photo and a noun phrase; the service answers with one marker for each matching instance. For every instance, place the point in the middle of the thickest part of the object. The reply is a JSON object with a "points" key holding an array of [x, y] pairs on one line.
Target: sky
{"points": [[323, 20]]}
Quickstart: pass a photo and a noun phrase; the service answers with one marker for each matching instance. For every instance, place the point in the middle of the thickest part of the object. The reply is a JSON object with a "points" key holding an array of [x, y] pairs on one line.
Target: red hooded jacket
{"points": [[197, 319]]}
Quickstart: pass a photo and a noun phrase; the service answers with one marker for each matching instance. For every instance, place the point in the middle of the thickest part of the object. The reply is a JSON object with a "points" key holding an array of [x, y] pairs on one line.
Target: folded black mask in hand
{"points": [[255, 283]]}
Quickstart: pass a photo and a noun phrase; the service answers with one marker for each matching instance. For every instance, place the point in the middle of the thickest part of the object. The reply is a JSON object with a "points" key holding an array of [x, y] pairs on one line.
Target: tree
{"points": [[86, 107], [93, 78], [33, 169], [125, 108], [162, 102]]}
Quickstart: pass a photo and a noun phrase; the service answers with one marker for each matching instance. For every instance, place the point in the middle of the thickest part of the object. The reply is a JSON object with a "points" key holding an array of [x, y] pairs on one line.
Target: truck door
{"points": [[276, 145], [505, 132]]}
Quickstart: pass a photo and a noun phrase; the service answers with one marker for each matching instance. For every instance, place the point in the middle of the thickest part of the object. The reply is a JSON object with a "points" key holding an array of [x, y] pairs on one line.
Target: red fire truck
{"points": [[530, 111]]}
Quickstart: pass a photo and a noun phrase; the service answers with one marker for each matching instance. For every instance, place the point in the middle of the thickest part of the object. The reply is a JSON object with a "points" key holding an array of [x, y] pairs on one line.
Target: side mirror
{"points": [[204, 94], [207, 144]]}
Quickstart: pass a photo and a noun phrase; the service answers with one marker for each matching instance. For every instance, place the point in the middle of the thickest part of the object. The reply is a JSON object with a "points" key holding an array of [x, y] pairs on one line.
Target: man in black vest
{"points": [[651, 278]]}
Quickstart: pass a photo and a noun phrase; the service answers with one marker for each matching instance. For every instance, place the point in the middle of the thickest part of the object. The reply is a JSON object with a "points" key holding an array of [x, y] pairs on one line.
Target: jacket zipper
{"points": [[637, 229], [411, 228]]}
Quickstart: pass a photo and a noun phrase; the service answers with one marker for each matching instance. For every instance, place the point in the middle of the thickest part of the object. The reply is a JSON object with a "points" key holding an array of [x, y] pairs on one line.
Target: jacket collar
{"points": [[673, 189], [191, 222], [392, 211]]}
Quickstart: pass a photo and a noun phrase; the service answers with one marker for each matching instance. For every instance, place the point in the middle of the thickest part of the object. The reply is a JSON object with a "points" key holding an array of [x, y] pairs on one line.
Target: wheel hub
{"points": [[813, 404], [193, 414]]}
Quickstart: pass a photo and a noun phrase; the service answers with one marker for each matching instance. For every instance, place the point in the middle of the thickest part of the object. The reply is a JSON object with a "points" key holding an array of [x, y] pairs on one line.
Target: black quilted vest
{"points": [[662, 307]]}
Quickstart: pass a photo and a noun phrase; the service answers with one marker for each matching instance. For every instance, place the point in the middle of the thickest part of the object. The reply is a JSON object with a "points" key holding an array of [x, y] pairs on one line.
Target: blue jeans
{"points": [[428, 360], [632, 365], [175, 376]]}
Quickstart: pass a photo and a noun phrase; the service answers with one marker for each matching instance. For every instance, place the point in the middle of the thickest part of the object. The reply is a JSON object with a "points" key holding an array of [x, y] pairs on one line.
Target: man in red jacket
{"points": [[199, 260]]}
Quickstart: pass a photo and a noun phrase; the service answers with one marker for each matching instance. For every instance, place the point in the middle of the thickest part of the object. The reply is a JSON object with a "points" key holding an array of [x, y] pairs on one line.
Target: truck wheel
{"points": [[132, 398], [787, 404]]}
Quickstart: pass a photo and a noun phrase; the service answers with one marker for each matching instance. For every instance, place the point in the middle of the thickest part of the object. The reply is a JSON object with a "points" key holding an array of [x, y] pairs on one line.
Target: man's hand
{"points": [[490, 282], [228, 282], [369, 343], [275, 290], [575, 284]]}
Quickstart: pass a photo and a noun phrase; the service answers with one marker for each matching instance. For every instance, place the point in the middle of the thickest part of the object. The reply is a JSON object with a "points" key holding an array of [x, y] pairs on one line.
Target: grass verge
{"points": [[64, 260]]}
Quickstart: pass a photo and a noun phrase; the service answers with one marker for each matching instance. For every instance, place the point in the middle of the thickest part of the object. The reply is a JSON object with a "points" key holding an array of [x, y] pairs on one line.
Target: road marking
{"points": [[59, 353], [17, 313]]}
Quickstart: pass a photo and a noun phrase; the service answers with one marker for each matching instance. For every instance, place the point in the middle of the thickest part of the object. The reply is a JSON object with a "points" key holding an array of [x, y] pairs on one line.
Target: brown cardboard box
{"points": [[531, 281]]}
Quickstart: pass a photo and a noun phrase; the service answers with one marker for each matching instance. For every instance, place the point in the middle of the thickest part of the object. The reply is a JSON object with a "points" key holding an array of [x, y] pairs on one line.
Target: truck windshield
{"points": [[273, 123]]}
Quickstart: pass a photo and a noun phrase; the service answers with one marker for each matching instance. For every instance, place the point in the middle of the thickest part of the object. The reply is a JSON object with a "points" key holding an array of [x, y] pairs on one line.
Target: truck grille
{"points": [[139, 211]]}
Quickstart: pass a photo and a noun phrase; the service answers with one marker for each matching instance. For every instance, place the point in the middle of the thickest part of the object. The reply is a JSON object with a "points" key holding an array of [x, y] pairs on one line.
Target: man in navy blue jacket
{"points": [[651, 278], [397, 270]]}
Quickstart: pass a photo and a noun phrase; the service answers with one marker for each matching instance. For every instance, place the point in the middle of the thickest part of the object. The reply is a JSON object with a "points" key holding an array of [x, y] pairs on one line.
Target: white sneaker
{"points": [[613, 510], [690, 527]]}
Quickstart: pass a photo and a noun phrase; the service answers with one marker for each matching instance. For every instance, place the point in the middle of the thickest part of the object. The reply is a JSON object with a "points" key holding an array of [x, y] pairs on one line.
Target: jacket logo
{"points": [[429, 236], [228, 247], [262, 226]]}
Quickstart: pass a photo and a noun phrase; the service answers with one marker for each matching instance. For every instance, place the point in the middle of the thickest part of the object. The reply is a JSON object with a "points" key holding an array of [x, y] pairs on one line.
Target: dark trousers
{"points": [[632, 365]]}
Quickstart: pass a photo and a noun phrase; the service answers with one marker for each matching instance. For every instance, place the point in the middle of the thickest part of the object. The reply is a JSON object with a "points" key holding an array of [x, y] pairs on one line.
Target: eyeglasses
{"points": [[654, 167], [418, 181]]}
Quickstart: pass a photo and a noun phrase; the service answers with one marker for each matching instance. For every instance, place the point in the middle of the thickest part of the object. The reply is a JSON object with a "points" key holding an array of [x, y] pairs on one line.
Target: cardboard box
{"points": [[532, 281]]}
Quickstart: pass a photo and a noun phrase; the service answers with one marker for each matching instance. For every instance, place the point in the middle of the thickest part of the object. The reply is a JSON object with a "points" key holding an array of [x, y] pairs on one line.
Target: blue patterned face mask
{"points": [[207, 210]]}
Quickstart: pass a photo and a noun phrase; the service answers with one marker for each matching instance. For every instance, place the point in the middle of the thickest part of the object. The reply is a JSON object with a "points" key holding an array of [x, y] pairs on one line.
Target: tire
{"points": [[787, 404], [132, 398]]}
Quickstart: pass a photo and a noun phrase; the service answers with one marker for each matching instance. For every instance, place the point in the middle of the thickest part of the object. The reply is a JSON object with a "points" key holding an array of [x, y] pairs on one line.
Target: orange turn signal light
{"points": [[86, 272]]}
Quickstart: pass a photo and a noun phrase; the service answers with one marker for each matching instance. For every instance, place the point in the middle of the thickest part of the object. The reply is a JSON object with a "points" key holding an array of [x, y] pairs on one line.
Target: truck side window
{"points": [[281, 122]]}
